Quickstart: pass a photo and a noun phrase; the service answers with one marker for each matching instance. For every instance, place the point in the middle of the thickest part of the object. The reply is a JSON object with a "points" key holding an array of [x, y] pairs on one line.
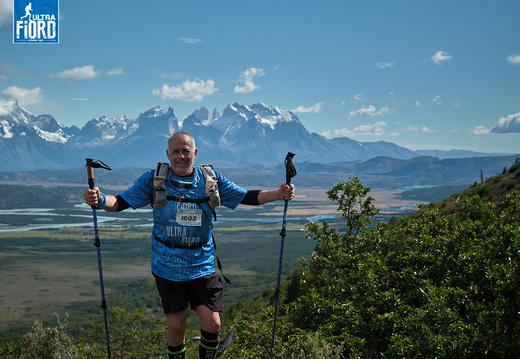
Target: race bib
{"points": [[188, 214]]}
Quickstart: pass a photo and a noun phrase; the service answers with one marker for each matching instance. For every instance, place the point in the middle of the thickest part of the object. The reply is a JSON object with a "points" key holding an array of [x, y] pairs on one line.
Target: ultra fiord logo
{"points": [[35, 21]]}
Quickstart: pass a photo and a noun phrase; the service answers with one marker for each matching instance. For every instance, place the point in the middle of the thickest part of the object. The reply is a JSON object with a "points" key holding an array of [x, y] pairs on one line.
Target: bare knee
{"points": [[209, 320], [176, 325], [212, 326]]}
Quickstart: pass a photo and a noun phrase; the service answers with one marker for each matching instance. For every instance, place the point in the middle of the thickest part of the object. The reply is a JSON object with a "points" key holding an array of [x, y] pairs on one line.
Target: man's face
{"points": [[181, 153]]}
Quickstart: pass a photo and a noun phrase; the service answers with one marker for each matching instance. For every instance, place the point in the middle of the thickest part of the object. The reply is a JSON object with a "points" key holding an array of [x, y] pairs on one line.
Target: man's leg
{"points": [[175, 301], [176, 329], [210, 330]]}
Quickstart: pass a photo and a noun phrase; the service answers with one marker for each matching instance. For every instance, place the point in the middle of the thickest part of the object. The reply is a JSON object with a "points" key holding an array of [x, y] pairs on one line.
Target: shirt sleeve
{"points": [[140, 193], [230, 194]]}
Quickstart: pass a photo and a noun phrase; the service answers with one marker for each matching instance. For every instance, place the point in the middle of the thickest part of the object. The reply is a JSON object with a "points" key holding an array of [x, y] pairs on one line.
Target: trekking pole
{"points": [[290, 172], [91, 164]]}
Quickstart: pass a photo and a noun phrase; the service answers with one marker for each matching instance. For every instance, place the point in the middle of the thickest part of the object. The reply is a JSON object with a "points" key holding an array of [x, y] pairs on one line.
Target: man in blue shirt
{"points": [[182, 245]]}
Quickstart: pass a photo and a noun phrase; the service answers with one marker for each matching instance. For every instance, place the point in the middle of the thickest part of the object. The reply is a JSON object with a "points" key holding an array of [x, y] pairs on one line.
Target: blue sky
{"points": [[422, 74]]}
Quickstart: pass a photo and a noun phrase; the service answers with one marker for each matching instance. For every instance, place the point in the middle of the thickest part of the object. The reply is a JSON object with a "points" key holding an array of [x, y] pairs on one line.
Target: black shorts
{"points": [[176, 296]]}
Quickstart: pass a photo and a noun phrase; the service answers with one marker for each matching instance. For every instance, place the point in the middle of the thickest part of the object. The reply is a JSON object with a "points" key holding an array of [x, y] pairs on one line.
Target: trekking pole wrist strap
{"points": [[102, 201]]}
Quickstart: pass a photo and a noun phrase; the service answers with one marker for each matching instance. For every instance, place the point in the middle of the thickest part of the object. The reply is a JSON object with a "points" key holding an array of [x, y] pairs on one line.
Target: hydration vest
{"points": [[160, 198]]}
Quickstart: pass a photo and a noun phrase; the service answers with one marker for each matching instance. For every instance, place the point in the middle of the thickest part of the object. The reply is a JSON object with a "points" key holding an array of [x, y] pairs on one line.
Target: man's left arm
{"points": [[285, 192]]}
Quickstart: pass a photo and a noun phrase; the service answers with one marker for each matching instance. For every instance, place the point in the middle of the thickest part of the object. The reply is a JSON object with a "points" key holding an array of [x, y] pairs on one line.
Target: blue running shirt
{"points": [[182, 223]]}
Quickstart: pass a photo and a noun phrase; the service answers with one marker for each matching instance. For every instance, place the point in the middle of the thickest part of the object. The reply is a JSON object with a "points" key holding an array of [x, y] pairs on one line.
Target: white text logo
{"points": [[35, 21]]}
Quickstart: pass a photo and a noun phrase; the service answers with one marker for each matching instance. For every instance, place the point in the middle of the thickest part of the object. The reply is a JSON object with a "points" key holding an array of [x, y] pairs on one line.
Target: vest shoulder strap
{"points": [[211, 185], [160, 193]]}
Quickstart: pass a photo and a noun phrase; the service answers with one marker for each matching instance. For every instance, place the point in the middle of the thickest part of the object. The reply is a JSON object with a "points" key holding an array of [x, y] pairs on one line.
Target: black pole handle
{"points": [[91, 164], [290, 170]]}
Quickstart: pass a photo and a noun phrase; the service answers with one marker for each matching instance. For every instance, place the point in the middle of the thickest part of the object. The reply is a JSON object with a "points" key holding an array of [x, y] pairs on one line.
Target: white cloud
{"points": [[188, 91], [281, 70], [247, 78], [437, 100], [314, 109], [410, 128], [440, 57], [514, 59], [376, 129], [508, 124], [24, 96], [115, 71], [189, 40], [427, 129], [6, 12], [359, 97], [370, 111], [384, 65], [479, 130], [505, 125], [77, 73]]}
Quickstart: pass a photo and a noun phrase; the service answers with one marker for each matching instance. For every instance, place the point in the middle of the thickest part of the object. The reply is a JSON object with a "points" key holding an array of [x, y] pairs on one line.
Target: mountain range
{"points": [[243, 136]]}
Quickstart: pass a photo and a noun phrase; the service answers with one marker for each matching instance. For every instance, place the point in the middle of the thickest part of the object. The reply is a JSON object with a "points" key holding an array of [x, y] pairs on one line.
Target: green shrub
{"points": [[44, 342], [427, 286]]}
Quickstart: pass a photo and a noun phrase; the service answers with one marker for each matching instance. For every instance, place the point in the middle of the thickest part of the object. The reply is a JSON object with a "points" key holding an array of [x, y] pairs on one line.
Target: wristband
{"points": [[102, 201]]}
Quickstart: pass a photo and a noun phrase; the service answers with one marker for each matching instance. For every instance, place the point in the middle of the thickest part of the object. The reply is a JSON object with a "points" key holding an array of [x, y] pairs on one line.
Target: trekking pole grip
{"points": [[290, 170], [90, 174], [91, 164]]}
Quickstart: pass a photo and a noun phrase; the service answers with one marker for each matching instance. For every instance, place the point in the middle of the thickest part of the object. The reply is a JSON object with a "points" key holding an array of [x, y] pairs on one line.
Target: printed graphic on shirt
{"points": [[181, 233]]}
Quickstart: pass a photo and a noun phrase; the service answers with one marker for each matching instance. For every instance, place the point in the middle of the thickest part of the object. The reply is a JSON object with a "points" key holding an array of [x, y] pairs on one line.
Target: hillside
{"points": [[491, 190], [430, 285]]}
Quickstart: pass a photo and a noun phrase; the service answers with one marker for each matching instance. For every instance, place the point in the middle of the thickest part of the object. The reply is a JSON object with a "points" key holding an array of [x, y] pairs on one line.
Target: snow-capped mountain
{"points": [[244, 135], [29, 142], [104, 130], [146, 145], [16, 121]]}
